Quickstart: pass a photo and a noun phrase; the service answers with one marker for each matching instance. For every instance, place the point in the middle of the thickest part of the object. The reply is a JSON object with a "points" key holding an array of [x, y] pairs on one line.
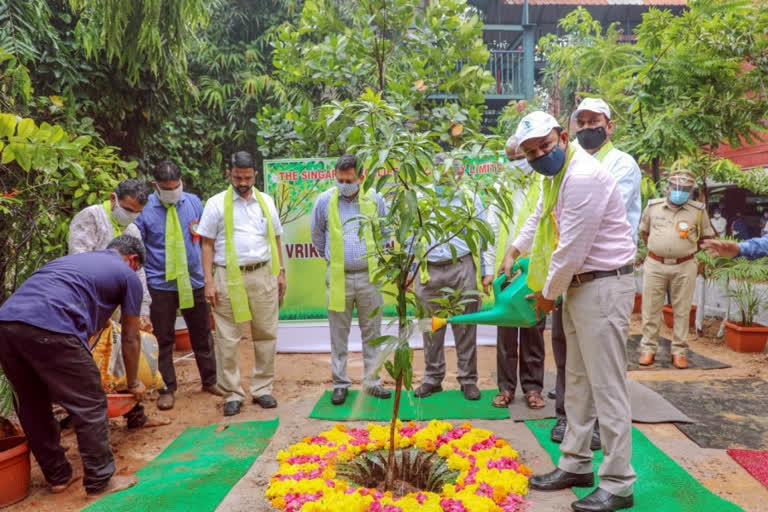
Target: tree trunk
{"points": [[392, 425], [655, 169]]}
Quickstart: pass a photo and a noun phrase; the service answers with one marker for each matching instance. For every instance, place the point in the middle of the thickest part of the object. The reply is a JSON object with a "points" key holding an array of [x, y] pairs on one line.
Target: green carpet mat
{"points": [[195, 472], [662, 485], [449, 404]]}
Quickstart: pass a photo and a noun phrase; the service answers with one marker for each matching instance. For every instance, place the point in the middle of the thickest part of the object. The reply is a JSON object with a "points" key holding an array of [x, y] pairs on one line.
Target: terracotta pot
{"points": [[183, 343], [14, 470], [669, 316], [119, 404], [745, 339], [638, 303]]}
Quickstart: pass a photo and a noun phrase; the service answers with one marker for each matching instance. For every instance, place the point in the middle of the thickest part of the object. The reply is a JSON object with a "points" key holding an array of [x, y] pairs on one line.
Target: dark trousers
{"points": [[559, 351], [529, 343], [46, 367], [162, 312]]}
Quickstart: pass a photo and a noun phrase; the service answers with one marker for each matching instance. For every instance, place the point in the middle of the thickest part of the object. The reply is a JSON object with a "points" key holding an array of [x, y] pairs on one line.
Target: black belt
{"points": [[586, 277], [445, 263], [250, 267]]}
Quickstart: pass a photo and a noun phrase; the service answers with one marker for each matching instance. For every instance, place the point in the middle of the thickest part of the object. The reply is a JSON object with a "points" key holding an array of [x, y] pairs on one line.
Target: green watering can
{"points": [[510, 308]]}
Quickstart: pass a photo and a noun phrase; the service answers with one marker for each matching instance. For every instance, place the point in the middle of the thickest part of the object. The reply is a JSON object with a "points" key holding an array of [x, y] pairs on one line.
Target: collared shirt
{"points": [[594, 233], [355, 250], [91, 230], [754, 248], [75, 294], [668, 236], [250, 228], [151, 227], [442, 252], [627, 173]]}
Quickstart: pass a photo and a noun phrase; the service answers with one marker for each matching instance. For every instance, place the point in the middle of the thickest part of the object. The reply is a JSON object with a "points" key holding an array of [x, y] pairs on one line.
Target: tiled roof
{"points": [[598, 2]]}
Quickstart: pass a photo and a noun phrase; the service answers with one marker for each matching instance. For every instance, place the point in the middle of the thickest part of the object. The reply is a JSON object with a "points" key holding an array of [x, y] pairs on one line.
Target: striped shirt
{"points": [[594, 233], [349, 211]]}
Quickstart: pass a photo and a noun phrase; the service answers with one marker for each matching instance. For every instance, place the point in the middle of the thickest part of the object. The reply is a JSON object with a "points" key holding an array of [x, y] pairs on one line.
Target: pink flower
{"points": [[421, 498], [451, 505], [503, 463]]}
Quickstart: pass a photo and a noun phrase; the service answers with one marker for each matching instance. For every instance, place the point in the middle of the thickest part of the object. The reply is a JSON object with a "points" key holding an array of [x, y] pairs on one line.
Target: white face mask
{"points": [[123, 216], [717, 215], [169, 196], [523, 165]]}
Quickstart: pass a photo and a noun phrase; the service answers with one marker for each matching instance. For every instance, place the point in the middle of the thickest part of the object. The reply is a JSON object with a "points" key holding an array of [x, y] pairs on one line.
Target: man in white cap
{"points": [[592, 120], [581, 246]]}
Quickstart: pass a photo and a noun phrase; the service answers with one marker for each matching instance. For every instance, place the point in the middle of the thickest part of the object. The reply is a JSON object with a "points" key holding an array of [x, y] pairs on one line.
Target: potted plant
{"points": [[14, 451], [743, 278]]}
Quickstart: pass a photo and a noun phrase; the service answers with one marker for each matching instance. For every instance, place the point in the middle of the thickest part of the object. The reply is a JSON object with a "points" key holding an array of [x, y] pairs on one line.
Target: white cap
{"points": [[536, 124], [511, 143], [594, 105]]}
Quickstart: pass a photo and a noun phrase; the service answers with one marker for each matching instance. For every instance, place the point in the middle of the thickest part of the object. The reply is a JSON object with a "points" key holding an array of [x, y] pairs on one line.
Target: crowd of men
{"points": [[577, 214]]}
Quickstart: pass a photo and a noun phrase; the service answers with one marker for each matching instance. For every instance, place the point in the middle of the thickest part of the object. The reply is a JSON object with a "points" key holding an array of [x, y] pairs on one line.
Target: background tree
{"points": [[688, 84]]}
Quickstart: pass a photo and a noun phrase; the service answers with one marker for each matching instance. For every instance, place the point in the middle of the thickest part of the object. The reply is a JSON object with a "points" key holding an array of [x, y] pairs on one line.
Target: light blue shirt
{"points": [[355, 250], [754, 248], [443, 252], [628, 176]]}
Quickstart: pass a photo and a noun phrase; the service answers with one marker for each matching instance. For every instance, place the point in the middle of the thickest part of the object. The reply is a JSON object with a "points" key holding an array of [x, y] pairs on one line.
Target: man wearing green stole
{"points": [[175, 277], [241, 230], [337, 236]]}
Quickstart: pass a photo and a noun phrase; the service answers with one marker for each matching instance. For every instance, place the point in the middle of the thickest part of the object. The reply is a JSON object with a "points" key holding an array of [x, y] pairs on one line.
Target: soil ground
{"points": [[301, 378]]}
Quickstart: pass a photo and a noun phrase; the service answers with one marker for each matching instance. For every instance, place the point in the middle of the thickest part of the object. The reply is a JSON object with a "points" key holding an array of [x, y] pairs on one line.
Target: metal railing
{"points": [[506, 67]]}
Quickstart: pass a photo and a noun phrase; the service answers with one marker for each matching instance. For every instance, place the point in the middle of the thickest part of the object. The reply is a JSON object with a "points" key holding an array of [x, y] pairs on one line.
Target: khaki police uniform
{"points": [[673, 235]]}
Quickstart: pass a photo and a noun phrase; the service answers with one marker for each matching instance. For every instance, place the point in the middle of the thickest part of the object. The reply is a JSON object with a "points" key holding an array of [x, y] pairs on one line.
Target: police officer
{"points": [[672, 228]]}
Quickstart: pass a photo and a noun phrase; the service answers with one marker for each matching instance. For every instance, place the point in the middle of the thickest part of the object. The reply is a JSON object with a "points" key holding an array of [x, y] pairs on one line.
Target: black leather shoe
{"points": [[595, 443], [427, 389], [232, 408], [338, 396], [558, 431], [601, 500], [552, 395], [266, 401], [559, 479], [378, 391], [471, 392]]}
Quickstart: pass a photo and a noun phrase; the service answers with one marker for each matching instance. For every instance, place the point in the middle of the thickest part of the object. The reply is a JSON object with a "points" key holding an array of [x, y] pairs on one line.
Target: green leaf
{"points": [[7, 125], [26, 128], [8, 155], [380, 340], [24, 153], [390, 369]]}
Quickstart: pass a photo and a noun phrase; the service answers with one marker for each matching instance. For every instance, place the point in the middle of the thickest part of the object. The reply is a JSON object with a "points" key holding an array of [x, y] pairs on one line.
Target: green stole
{"points": [[526, 210], [176, 266], [117, 229], [235, 286], [368, 207], [546, 237], [600, 155]]}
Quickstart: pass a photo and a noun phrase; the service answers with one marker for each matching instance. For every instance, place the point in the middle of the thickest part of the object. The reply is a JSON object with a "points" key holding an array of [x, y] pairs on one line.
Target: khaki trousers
{"points": [[461, 275], [596, 322], [261, 287], [681, 279], [364, 295]]}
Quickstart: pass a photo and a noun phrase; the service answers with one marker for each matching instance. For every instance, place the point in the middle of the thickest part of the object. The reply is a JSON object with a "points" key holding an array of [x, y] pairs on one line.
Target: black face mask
{"points": [[591, 138]]}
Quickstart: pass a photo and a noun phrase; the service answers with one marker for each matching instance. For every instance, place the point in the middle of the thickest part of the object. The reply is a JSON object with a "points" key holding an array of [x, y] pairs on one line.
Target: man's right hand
{"points": [[137, 390], [211, 294], [487, 282], [723, 248], [509, 260]]}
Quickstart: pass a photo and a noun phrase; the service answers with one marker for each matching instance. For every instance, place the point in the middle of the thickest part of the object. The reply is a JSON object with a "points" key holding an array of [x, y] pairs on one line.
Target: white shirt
{"points": [[628, 176], [494, 217], [594, 231], [719, 223], [250, 228]]}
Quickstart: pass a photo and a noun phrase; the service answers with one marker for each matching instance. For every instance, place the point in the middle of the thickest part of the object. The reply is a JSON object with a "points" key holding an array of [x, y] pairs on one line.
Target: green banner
{"points": [[295, 184]]}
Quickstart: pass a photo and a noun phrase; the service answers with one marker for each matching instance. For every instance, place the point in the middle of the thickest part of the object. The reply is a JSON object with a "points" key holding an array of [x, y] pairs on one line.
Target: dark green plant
{"points": [[741, 278]]}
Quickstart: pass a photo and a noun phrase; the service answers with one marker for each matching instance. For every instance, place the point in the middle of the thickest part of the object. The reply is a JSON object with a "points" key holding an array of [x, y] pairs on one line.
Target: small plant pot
{"points": [[669, 316], [183, 343], [745, 339], [14, 470], [638, 303]]}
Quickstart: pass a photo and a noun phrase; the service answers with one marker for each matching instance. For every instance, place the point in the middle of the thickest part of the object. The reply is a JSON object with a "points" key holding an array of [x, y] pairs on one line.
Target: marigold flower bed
{"points": [[490, 478]]}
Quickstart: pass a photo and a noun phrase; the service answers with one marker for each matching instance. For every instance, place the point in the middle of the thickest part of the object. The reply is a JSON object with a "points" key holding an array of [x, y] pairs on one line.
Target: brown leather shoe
{"points": [[679, 362], [646, 359]]}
